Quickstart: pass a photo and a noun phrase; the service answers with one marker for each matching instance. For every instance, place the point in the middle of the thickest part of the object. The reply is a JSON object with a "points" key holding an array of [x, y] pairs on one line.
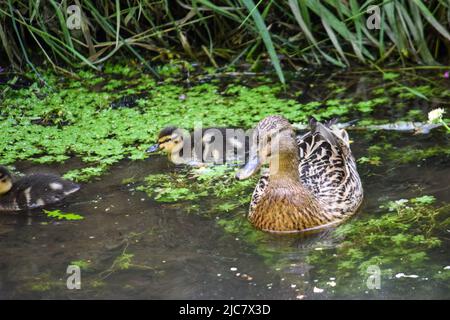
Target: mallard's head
{"points": [[170, 140], [5, 180], [273, 143]]}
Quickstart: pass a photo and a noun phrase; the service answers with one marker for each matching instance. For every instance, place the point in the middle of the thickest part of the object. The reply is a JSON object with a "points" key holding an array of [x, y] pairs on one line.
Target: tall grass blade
{"points": [[430, 18], [336, 24], [264, 33], [303, 25]]}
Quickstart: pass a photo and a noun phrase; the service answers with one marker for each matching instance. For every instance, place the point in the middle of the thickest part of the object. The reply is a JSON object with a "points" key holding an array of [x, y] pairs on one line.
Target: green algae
{"points": [[221, 195], [373, 160], [386, 152], [40, 128], [43, 283], [217, 182], [85, 117], [124, 261], [58, 214], [82, 264], [399, 240], [41, 286]]}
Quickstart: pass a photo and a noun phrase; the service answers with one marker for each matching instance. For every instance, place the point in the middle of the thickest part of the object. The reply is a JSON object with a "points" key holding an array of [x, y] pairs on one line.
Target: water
{"points": [[131, 246], [175, 254]]}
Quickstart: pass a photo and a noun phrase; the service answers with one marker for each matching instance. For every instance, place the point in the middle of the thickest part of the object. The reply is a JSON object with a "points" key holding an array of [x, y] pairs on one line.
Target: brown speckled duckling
{"points": [[228, 149], [33, 191], [312, 180]]}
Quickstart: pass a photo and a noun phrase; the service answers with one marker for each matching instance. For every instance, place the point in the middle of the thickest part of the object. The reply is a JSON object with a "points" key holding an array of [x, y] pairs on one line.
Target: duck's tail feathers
{"points": [[337, 138], [323, 130], [331, 122]]}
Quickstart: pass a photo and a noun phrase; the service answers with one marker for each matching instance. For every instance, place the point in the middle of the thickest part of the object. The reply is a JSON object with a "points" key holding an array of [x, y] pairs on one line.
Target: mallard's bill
{"points": [[250, 168]]}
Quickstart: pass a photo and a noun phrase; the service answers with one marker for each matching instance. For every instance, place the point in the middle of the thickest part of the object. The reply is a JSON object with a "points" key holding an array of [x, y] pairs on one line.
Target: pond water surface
{"points": [[132, 246], [135, 247]]}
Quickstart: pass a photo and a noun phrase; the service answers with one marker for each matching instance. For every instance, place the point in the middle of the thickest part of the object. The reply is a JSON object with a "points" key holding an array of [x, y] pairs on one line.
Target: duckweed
{"points": [[217, 182], [103, 118], [57, 214], [399, 240], [386, 152]]}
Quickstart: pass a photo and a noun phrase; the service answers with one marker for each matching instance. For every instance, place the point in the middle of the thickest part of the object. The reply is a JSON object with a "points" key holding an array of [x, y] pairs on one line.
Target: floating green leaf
{"points": [[57, 214]]}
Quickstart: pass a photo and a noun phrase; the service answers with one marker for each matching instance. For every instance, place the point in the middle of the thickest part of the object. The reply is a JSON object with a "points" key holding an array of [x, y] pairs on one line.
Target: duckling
{"points": [[33, 191], [312, 181], [217, 145]]}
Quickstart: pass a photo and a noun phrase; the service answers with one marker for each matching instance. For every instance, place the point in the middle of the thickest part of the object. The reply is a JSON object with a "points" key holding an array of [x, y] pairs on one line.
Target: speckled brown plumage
{"points": [[315, 182]]}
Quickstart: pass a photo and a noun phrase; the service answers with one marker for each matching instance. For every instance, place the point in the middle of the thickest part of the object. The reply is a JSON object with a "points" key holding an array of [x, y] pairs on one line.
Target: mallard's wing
{"points": [[328, 169]]}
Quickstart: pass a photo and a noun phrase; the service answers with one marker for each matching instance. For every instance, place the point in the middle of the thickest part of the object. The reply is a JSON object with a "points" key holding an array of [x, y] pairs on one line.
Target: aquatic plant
{"points": [[388, 153], [57, 214], [124, 260], [83, 264], [405, 230], [90, 32], [400, 239], [104, 118], [221, 196], [41, 286], [216, 182]]}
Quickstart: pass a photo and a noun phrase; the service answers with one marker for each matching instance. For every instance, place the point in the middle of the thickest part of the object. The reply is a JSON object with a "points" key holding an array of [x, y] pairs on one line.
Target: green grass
{"points": [[312, 32]]}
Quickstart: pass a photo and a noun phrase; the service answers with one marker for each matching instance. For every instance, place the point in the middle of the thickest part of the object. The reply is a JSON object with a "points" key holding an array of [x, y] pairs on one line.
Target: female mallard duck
{"points": [[206, 145], [312, 180], [33, 191]]}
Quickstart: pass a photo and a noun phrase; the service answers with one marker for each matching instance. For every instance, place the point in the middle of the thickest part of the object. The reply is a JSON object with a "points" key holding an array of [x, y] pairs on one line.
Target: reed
{"points": [[290, 33]]}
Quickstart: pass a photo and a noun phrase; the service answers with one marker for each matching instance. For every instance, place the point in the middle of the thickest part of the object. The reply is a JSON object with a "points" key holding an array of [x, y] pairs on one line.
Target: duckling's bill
{"points": [[153, 148]]}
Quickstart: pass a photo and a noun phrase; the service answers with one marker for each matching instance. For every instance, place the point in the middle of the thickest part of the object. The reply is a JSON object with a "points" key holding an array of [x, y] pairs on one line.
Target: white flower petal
{"points": [[435, 115]]}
